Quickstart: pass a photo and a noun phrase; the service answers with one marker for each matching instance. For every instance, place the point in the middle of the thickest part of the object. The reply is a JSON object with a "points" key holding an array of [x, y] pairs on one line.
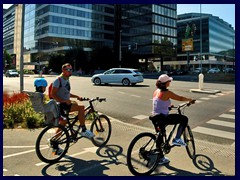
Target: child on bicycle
{"points": [[49, 106], [161, 103]]}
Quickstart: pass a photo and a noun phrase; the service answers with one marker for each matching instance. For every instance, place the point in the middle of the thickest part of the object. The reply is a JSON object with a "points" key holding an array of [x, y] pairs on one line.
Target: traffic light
{"points": [[136, 46]]}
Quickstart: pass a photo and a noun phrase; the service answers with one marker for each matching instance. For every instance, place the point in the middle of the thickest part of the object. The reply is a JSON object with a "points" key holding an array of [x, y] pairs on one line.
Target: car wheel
{"points": [[97, 81], [125, 82]]}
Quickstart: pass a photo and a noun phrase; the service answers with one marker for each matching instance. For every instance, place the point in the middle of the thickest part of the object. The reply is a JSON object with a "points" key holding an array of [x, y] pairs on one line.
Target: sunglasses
{"points": [[68, 69]]}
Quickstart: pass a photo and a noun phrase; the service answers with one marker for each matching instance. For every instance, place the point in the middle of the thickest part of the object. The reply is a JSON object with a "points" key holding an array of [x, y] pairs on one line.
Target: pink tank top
{"points": [[160, 106]]}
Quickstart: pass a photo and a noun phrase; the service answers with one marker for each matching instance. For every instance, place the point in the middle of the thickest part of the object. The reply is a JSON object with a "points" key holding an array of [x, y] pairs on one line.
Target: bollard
{"points": [[200, 81]]}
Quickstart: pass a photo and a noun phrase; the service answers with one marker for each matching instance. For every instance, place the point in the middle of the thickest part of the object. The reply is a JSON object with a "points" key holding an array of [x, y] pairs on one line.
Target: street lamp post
{"points": [[39, 61], [233, 49], [120, 48], [22, 49], [200, 76]]}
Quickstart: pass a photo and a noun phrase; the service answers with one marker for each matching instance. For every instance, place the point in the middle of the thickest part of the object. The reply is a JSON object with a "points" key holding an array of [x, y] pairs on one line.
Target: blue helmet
{"points": [[40, 82]]}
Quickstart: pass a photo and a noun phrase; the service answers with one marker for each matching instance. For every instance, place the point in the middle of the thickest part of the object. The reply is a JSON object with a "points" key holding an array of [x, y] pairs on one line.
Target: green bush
{"points": [[18, 111]]}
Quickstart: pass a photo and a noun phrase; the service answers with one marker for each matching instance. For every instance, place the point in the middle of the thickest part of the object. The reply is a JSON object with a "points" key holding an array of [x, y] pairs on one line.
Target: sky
{"points": [[223, 11]]}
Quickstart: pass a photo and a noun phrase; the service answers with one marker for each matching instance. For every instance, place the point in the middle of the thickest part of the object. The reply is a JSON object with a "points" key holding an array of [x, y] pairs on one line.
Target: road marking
{"points": [[135, 96], [140, 117], [212, 96], [232, 110], [85, 150], [121, 92], [221, 123], [5, 170], [20, 153], [204, 98], [214, 132], [16, 147], [197, 101], [221, 94], [229, 116]]}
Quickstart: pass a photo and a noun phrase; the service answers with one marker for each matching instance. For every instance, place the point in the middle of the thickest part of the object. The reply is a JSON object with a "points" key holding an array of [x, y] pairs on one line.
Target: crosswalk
{"points": [[221, 127]]}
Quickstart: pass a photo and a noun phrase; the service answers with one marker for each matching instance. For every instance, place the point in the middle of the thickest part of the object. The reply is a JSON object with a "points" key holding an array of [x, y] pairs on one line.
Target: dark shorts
{"points": [[64, 108]]}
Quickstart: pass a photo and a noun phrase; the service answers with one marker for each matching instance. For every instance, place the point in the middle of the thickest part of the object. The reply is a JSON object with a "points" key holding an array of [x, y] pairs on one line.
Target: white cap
{"points": [[164, 78]]}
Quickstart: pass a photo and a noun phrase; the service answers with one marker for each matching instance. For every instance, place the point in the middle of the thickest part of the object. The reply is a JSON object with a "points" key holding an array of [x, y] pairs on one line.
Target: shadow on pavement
{"points": [[78, 167], [202, 162]]}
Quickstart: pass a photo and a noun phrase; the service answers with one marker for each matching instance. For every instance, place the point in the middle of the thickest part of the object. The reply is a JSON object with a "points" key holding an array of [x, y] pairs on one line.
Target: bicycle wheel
{"points": [[188, 138], [102, 129], [49, 140], [142, 158]]}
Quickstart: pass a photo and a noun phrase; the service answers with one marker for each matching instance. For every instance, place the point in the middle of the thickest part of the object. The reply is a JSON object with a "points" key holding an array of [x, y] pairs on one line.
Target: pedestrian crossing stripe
{"points": [[221, 123], [204, 98], [229, 116], [232, 110], [214, 132]]}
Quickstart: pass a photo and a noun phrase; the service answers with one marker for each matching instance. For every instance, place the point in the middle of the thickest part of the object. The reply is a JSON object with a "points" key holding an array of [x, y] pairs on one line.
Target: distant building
{"points": [[146, 29], [218, 42]]}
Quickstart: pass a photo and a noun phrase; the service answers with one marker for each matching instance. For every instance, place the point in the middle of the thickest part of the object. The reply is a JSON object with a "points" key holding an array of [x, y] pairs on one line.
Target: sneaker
{"points": [[57, 151], [179, 142], [164, 160], [87, 134]]}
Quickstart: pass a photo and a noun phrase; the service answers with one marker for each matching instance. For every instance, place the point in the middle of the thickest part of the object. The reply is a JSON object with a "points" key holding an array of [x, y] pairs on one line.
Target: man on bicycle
{"points": [[61, 93], [161, 104]]}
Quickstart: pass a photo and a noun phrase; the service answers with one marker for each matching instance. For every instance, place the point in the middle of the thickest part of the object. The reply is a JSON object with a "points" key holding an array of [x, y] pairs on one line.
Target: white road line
{"points": [[232, 110], [214, 132], [140, 117], [204, 98], [17, 147], [135, 96], [197, 101], [5, 170], [221, 94], [229, 116], [121, 92], [86, 150], [20, 153], [212, 96], [221, 123]]}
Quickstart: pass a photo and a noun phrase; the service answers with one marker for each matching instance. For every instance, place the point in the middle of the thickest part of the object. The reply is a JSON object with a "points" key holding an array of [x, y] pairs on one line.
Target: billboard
{"points": [[187, 44]]}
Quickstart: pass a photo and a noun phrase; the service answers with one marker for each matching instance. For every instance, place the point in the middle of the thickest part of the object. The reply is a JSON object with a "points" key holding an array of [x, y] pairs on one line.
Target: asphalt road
{"points": [[129, 108]]}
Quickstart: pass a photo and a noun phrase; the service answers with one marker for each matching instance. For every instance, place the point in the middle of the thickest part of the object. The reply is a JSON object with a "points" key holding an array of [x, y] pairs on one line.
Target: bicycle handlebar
{"points": [[182, 105], [93, 99]]}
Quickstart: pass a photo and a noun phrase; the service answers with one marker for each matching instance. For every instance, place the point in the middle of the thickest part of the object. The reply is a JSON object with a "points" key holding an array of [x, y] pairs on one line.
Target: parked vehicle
{"points": [[228, 70], [12, 73], [196, 71], [125, 76], [213, 70]]}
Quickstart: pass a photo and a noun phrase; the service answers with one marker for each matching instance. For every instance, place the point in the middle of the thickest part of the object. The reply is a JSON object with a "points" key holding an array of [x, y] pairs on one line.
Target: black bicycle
{"points": [[48, 139], [143, 153]]}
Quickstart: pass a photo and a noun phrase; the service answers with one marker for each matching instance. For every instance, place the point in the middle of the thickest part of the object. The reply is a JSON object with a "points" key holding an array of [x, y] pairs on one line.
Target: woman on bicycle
{"points": [[161, 103]]}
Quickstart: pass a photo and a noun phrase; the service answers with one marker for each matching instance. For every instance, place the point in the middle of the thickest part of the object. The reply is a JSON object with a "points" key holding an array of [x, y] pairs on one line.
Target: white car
{"points": [[213, 70], [125, 76]]}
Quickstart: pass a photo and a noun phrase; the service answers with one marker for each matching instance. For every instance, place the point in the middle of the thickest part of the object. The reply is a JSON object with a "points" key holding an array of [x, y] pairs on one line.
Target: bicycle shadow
{"points": [[72, 166], [201, 162]]}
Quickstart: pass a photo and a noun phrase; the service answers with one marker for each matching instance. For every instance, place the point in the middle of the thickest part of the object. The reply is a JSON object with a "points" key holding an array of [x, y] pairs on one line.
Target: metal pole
{"points": [[233, 52], [120, 48], [22, 48], [201, 36]]}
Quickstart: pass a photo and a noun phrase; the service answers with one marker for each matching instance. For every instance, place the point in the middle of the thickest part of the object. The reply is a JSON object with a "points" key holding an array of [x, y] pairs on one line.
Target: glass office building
{"points": [[217, 38], [52, 28]]}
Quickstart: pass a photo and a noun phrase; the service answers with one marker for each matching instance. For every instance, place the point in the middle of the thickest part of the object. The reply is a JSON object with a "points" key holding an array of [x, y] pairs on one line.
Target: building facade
{"points": [[213, 41], [52, 28]]}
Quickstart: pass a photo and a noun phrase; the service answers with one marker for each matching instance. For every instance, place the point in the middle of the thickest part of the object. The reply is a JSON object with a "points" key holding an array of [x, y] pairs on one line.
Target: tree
{"points": [[7, 60]]}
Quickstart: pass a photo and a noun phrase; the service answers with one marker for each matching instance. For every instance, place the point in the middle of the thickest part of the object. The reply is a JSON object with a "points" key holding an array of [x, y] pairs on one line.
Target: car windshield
{"points": [[12, 70]]}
